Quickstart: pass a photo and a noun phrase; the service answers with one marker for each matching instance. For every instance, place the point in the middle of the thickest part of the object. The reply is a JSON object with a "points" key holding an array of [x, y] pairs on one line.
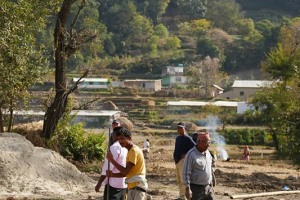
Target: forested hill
{"points": [[143, 36], [270, 9]]}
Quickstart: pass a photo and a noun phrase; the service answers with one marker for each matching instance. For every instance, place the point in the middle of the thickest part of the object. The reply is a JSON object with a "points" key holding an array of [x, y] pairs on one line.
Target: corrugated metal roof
{"points": [[202, 103], [218, 87], [251, 83], [78, 112], [91, 79], [141, 80]]}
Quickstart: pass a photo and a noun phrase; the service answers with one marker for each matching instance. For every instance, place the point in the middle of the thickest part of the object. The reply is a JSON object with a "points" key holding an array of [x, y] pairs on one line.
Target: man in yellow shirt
{"points": [[135, 170]]}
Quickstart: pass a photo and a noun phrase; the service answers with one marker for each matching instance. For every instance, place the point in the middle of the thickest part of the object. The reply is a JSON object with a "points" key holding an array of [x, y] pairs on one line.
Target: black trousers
{"points": [[114, 193], [202, 192]]}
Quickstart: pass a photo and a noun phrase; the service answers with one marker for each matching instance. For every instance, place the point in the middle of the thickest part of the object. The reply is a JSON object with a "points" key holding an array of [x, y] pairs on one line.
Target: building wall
{"points": [[151, 85], [92, 83], [239, 93]]}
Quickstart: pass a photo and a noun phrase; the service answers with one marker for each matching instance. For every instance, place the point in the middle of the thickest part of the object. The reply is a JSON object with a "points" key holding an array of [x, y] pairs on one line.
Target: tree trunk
{"points": [[275, 139], [57, 108], [1, 121], [10, 120]]}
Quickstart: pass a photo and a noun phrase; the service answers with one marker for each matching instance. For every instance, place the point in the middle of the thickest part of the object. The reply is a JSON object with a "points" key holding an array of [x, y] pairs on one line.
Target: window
{"points": [[178, 79], [241, 93]]}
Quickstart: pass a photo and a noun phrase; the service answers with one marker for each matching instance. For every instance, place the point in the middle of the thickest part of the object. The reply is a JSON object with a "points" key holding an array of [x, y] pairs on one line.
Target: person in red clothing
{"points": [[246, 153]]}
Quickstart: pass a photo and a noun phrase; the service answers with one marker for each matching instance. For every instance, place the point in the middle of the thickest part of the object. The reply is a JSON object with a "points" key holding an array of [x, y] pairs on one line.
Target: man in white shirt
{"points": [[146, 149], [115, 187]]}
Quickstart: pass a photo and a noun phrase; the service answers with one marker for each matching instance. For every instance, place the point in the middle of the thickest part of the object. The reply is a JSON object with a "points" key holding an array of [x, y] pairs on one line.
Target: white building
{"points": [[92, 83]]}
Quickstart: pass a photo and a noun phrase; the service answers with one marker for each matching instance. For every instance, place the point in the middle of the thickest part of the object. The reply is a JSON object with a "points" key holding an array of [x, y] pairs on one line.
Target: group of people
{"points": [[124, 171], [194, 165]]}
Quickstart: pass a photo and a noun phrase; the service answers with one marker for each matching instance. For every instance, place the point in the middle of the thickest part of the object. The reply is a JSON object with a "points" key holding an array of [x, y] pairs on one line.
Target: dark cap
{"points": [[115, 122], [180, 124]]}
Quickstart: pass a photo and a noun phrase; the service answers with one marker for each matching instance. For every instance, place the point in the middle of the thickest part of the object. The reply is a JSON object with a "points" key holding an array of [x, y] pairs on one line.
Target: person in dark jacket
{"points": [[183, 144]]}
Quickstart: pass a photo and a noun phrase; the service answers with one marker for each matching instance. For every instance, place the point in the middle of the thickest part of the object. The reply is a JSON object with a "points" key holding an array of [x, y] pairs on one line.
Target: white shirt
{"points": [[146, 145], [119, 154]]}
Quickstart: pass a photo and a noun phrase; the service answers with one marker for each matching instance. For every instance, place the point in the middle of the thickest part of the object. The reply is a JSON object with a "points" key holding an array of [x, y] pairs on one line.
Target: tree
{"points": [[204, 73], [282, 61], [66, 41], [156, 9], [195, 9], [224, 14], [279, 106], [21, 57]]}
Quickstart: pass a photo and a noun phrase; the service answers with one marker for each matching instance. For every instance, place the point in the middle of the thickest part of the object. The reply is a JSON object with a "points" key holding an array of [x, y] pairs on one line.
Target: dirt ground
{"points": [[22, 176], [235, 177]]}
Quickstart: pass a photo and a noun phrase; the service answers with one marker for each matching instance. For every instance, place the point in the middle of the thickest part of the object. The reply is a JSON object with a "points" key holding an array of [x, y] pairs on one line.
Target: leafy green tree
{"points": [[21, 57], [156, 9], [224, 14], [161, 31], [282, 61], [207, 48], [195, 9], [173, 43], [279, 105], [139, 31]]}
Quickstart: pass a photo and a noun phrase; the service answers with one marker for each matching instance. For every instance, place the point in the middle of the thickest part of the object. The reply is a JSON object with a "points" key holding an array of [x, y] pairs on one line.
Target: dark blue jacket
{"points": [[183, 144]]}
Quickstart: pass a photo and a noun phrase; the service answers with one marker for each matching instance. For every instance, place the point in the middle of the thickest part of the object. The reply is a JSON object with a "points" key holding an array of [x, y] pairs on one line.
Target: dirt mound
{"points": [[109, 105], [126, 123], [189, 126], [25, 170]]}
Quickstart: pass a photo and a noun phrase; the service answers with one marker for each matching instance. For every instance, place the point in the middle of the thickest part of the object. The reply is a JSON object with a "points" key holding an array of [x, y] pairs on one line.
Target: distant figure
{"points": [[246, 154], [146, 149]]}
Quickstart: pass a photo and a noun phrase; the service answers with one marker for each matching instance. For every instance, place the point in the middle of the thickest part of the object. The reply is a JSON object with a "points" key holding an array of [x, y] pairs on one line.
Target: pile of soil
{"points": [[28, 171]]}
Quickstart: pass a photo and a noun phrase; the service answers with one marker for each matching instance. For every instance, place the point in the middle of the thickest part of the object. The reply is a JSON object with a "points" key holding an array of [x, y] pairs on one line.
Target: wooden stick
{"points": [[108, 163], [263, 194]]}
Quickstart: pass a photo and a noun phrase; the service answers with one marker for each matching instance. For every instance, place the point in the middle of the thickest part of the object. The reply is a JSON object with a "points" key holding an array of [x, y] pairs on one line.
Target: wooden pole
{"points": [[263, 194], [108, 163]]}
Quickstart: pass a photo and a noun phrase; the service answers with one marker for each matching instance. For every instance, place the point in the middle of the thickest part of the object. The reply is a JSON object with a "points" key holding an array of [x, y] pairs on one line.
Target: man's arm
{"points": [[98, 186], [187, 172], [123, 170]]}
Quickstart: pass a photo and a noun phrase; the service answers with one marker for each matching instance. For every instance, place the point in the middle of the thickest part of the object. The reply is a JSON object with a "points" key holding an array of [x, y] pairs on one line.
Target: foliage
{"points": [[21, 58], [73, 142], [247, 136], [218, 11], [279, 105], [204, 73], [194, 9]]}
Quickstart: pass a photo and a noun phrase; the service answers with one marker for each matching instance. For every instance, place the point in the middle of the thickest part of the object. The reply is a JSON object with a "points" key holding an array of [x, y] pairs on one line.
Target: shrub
{"points": [[73, 142], [247, 136]]}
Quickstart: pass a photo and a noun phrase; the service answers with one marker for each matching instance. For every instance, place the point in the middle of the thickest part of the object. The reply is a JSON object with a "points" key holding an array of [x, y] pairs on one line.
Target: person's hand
{"points": [[109, 173], [109, 156], [97, 187], [188, 193]]}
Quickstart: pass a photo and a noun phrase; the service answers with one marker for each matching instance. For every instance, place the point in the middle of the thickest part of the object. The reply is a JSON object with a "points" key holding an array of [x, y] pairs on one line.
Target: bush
{"points": [[247, 137], [73, 142]]}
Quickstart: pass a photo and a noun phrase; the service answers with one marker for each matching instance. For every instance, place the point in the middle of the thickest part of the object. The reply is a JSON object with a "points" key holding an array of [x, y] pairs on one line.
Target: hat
{"points": [[180, 124], [204, 136], [115, 122]]}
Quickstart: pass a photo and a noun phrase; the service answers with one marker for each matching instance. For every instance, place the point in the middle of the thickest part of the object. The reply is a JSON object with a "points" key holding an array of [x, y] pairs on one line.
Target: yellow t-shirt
{"points": [[135, 156]]}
